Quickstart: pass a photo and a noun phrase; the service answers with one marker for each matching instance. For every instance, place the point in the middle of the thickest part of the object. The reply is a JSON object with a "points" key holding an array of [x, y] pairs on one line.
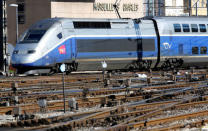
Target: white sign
{"points": [[104, 64], [63, 67]]}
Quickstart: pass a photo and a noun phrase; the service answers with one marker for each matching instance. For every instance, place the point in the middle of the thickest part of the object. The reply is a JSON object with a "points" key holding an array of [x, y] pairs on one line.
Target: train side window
{"points": [[186, 28], [59, 35], [202, 28], [177, 27], [195, 50], [91, 24], [203, 50], [194, 27]]}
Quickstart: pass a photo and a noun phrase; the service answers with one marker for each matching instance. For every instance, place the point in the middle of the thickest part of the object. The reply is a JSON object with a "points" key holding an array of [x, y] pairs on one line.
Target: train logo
{"points": [[167, 45], [62, 49]]}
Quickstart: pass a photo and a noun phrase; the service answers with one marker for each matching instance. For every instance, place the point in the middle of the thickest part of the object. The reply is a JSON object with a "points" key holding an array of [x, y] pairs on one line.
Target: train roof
{"points": [[181, 18], [82, 19], [164, 18]]}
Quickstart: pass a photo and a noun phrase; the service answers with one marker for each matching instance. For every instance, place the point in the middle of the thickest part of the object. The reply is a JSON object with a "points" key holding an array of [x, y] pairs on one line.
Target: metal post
{"points": [[196, 8], [16, 6], [159, 5], [17, 23], [103, 75], [63, 69], [148, 8], [153, 7], [104, 66], [5, 46], [1, 35], [207, 7], [189, 8], [63, 92]]}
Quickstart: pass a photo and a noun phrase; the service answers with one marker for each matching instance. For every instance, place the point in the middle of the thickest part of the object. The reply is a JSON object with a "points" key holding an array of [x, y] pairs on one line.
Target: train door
{"points": [[73, 49], [70, 42], [138, 40], [148, 46], [70, 50]]}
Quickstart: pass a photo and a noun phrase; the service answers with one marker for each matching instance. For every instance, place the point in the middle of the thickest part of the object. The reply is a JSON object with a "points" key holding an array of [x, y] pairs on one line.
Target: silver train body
{"points": [[83, 44]]}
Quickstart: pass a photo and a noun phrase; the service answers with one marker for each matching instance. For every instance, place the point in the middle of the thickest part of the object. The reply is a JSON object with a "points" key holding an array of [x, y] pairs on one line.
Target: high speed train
{"points": [[83, 44]]}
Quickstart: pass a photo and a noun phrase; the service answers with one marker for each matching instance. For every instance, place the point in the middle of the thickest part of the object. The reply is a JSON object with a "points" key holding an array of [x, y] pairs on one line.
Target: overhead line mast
{"points": [[2, 35], [116, 8]]}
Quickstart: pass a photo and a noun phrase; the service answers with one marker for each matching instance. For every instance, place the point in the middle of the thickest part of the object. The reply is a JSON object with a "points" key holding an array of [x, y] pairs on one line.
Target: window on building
{"points": [[21, 18], [203, 50], [195, 50], [186, 28], [186, 5], [173, 3], [203, 3], [194, 27], [177, 27], [85, 24], [21, 7], [202, 27], [21, 11]]}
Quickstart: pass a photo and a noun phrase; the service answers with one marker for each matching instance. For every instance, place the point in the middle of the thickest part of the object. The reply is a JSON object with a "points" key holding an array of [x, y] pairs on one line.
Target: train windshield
{"points": [[32, 36]]}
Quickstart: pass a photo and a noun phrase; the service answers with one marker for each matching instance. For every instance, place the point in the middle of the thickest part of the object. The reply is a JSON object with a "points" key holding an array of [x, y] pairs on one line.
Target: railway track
{"points": [[94, 98], [124, 106], [144, 108]]}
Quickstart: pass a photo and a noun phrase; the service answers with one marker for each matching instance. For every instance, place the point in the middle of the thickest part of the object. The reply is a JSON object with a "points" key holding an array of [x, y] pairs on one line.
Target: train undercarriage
{"points": [[141, 65]]}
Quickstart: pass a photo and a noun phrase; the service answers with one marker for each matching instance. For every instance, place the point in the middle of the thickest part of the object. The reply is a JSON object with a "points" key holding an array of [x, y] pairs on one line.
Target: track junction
{"points": [[118, 102]]}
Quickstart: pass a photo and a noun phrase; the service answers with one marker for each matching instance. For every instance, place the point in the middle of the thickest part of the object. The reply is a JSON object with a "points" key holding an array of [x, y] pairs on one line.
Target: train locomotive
{"points": [[83, 44]]}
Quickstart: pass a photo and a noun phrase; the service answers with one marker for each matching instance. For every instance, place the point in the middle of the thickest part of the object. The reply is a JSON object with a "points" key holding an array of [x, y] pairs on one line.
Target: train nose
{"points": [[18, 59], [22, 56]]}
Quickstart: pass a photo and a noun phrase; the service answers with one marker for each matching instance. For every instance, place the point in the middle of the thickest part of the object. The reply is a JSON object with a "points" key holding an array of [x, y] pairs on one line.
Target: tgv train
{"points": [[83, 44]]}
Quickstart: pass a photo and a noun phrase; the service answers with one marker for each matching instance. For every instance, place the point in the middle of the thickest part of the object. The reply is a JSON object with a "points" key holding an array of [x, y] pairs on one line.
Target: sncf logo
{"points": [[62, 49]]}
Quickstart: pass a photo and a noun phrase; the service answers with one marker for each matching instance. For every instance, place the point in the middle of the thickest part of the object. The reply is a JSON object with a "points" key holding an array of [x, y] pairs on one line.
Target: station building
{"points": [[31, 11]]}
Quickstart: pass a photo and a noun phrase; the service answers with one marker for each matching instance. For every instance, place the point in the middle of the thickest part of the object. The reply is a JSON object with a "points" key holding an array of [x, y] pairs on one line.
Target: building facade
{"points": [[196, 7], [31, 11], [199, 7], [175, 8]]}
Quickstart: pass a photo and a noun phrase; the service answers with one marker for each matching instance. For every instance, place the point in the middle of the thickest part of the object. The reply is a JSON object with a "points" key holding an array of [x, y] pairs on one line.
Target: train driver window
{"points": [[195, 50], [177, 27], [203, 50], [186, 28], [194, 27], [59, 35], [202, 28]]}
